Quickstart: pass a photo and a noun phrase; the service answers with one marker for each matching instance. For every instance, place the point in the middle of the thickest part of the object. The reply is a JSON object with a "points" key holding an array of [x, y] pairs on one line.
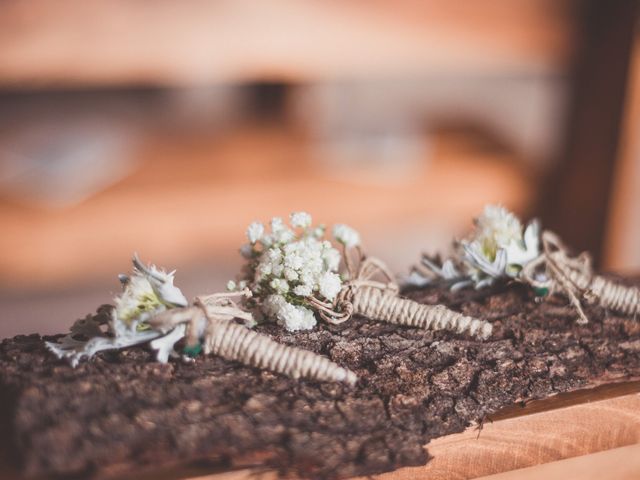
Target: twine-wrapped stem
{"points": [[387, 306], [211, 318], [380, 301]]}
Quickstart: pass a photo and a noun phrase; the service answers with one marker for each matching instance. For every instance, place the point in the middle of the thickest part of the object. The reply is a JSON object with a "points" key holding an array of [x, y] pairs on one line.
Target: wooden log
{"points": [[543, 433]]}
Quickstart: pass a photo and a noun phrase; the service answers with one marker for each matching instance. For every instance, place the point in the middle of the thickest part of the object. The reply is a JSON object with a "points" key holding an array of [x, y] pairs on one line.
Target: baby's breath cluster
{"points": [[498, 247], [291, 265]]}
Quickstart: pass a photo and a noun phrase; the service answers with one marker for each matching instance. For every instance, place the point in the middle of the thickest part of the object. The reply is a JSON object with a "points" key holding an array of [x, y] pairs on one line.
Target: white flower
{"points": [[161, 282], [476, 255], [496, 228], [263, 270], [304, 319], [296, 318], [293, 317], [300, 220], [499, 247], [272, 304], [284, 236], [290, 274], [277, 224], [298, 264], [318, 232], [521, 253], [346, 235], [330, 285], [303, 290], [231, 285], [137, 298], [255, 232], [279, 285], [331, 258]]}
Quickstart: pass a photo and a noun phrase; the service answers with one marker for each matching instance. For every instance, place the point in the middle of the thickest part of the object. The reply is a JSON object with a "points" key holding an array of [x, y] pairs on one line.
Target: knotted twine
{"points": [[574, 277], [212, 319], [380, 300]]}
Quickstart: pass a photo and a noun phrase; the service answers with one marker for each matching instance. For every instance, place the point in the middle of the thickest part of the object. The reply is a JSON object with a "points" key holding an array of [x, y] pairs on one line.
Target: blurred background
{"points": [[166, 127]]}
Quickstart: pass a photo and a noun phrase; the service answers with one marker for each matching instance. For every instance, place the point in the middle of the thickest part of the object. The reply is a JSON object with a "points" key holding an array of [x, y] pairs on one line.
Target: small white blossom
{"points": [[277, 224], [346, 235], [329, 285], [496, 228], [300, 220], [290, 274], [255, 232], [303, 290], [279, 285], [161, 282], [231, 285], [296, 318], [318, 232], [331, 258], [284, 236], [293, 317], [522, 252], [137, 298]]}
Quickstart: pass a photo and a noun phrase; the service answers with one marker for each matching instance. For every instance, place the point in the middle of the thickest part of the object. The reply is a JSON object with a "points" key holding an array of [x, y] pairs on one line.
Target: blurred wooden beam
{"points": [[107, 42], [623, 235], [576, 197]]}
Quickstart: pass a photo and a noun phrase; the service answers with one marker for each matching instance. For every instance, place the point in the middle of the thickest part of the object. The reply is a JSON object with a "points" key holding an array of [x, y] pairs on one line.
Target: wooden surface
{"points": [[539, 438], [618, 463]]}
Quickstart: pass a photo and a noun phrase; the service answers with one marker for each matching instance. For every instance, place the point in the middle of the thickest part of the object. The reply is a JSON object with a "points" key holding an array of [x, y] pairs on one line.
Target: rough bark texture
{"points": [[123, 411]]}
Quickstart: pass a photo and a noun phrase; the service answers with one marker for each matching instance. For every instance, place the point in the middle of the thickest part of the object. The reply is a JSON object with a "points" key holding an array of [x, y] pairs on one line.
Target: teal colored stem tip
{"points": [[541, 292], [193, 350]]}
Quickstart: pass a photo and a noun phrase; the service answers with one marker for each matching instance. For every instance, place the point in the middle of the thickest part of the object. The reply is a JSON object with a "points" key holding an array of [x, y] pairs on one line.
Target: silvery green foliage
{"points": [[499, 247], [292, 268], [146, 292]]}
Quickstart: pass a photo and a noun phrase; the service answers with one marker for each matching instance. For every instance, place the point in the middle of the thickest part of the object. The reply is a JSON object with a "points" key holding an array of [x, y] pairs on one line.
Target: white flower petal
{"points": [[300, 220], [346, 235], [255, 231]]}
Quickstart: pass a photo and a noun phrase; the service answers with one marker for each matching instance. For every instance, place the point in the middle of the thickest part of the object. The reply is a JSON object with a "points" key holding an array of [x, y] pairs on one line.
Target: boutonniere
{"points": [[151, 310], [296, 276], [500, 247]]}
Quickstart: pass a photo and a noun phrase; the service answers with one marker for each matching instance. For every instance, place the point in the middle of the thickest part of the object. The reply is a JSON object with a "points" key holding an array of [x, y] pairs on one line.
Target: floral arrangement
{"points": [[293, 269], [146, 292], [152, 310], [293, 273], [500, 248]]}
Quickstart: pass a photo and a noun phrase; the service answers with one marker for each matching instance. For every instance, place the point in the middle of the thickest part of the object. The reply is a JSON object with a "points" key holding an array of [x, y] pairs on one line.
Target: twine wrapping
{"points": [[380, 301], [211, 318], [574, 277]]}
